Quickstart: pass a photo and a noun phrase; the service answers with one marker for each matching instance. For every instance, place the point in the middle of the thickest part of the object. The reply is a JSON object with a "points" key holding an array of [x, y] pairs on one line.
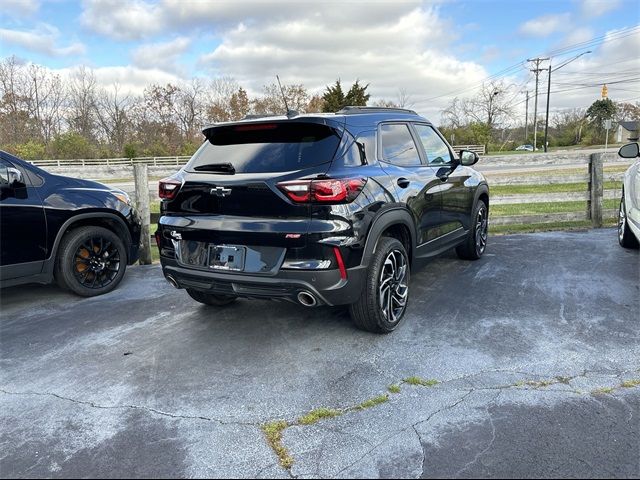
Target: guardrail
{"points": [[479, 149], [83, 162], [160, 161]]}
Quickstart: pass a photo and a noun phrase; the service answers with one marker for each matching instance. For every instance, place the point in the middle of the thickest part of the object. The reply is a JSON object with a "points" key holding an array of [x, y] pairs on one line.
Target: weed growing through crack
{"points": [[372, 402], [395, 388], [630, 383], [417, 381], [273, 433], [603, 391], [318, 414]]}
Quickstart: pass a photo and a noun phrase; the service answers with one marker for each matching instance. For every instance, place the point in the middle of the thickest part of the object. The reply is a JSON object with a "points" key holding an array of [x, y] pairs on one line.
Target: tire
{"points": [[389, 264], [626, 238], [211, 298], [91, 261], [476, 241]]}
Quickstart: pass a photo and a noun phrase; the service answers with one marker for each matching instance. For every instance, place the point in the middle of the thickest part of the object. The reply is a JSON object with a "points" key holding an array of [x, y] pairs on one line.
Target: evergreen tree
{"points": [[357, 95], [334, 98]]}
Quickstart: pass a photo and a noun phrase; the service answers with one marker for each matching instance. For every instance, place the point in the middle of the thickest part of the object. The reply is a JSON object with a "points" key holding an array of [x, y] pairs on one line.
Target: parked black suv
{"points": [[79, 232], [320, 209]]}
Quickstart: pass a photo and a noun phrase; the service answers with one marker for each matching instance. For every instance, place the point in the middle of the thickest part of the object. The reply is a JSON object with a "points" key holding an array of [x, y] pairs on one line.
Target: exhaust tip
{"points": [[306, 299], [172, 281]]}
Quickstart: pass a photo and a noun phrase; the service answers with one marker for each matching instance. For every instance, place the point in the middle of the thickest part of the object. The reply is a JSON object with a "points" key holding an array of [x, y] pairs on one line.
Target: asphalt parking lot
{"points": [[535, 350]]}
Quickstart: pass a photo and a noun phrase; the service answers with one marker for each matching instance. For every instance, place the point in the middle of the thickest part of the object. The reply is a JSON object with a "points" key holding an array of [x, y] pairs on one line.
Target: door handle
{"points": [[403, 182]]}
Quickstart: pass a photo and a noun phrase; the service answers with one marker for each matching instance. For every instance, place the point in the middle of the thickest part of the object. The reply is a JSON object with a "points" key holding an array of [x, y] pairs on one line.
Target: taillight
{"points": [[343, 190], [168, 188]]}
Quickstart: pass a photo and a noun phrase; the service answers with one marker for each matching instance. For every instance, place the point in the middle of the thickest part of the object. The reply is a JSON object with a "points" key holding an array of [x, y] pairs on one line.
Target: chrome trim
{"points": [[306, 264]]}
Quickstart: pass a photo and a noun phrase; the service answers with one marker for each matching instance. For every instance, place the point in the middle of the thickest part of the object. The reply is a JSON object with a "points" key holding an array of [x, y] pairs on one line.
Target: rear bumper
{"points": [[325, 285]]}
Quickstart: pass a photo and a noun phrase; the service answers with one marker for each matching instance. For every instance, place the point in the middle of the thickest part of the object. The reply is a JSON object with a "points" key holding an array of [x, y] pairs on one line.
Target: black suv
{"points": [[320, 209], [79, 232]]}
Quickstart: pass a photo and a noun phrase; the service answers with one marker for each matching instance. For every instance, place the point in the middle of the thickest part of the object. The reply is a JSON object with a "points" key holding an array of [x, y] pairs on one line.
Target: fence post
{"points": [[596, 179], [141, 179]]}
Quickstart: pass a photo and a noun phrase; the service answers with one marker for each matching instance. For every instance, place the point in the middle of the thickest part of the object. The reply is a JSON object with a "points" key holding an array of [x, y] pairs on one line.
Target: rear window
{"points": [[265, 147]]}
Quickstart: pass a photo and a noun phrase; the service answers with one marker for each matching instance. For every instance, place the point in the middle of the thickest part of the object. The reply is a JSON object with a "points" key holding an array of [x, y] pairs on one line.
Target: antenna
{"points": [[283, 95], [290, 113]]}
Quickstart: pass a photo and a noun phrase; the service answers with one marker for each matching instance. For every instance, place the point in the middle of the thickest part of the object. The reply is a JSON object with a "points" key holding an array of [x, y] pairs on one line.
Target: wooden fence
{"points": [[596, 203]]}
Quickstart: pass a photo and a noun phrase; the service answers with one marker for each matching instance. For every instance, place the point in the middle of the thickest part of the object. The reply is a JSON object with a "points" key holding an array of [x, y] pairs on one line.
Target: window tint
{"points": [[353, 157], [265, 147], [398, 146], [435, 148]]}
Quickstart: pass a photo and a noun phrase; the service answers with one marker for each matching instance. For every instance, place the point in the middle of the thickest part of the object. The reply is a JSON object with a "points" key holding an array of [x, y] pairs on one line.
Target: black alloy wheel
{"points": [[91, 261]]}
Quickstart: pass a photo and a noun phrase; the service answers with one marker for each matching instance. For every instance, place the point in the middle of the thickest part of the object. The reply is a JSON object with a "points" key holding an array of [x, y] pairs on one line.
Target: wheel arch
{"points": [[397, 223], [109, 221]]}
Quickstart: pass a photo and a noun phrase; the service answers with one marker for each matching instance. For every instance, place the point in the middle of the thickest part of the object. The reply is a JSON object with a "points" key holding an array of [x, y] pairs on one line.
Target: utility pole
{"points": [[546, 121], [537, 71], [526, 119]]}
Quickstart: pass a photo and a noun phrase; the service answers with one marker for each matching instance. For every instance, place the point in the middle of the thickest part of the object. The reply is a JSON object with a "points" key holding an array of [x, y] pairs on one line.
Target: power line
{"points": [[566, 50]]}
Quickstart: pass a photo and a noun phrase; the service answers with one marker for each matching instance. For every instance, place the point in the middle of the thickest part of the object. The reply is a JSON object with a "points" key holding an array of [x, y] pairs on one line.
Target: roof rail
{"points": [[356, 110]]}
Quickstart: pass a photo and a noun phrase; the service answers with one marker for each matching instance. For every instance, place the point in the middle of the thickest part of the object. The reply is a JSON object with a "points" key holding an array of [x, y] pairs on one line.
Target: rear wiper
{"points": [[216, 167]]}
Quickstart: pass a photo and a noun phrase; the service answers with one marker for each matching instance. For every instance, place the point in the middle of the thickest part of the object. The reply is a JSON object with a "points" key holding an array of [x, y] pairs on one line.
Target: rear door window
{"points": [[398, 146], [265, 147]]}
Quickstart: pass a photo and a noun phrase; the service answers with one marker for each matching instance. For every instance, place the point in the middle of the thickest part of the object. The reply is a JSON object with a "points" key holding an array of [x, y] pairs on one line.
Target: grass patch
{"points": [[560, 171], [603, 391], [630, 383], [548, 188], [547, 207], [539, 383], [273, 433], [394, 388], [546, 227], [318, 414], [417, 381], [373, 402]]}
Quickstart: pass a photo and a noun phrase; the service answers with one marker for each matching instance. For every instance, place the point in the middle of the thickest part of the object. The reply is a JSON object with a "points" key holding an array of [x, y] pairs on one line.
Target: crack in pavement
{"points": [[529, 385], [133, 407]]}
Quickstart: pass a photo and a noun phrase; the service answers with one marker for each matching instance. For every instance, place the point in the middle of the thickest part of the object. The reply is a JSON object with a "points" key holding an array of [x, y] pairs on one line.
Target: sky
{"points": [[432, 50]]}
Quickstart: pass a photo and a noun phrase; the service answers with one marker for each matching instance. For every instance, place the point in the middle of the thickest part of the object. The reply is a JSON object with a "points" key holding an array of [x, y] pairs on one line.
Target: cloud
{"points": [[597, 8], [406, 49], [19, 8], [139, 19], [163, 55], [545, 25], [43, 39]]}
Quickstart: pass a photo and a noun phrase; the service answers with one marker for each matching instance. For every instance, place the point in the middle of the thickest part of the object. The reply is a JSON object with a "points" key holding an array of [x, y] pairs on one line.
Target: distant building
{"points": [[627, 131]]}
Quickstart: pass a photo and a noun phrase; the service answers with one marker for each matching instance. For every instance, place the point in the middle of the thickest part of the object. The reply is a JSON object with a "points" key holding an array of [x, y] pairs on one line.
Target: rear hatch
{"points": [[230, 197]]}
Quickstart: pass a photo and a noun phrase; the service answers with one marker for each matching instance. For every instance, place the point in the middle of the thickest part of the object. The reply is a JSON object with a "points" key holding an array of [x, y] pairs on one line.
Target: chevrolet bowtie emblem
{"points": [[220, 191]]}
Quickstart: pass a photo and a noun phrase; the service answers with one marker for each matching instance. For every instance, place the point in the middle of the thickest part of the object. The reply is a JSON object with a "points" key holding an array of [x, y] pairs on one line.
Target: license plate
{"points": [[226, 257]]}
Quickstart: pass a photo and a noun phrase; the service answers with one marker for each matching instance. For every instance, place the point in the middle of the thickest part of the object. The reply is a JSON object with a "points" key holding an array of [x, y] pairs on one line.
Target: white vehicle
{"points": [[629, 213]]}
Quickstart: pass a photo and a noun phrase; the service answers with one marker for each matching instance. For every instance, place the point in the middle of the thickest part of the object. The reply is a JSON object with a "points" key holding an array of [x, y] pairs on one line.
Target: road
{"points": [[535, 349]]}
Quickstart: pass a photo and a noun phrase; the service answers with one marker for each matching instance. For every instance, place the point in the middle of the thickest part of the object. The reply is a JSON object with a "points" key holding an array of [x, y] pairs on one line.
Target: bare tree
{"points": [[15, 125], [217, 106], [46, 96], [404, 99], [113, 112], [272, 101], [189, 108], [452, 116], [491, 105], [81, 115]]}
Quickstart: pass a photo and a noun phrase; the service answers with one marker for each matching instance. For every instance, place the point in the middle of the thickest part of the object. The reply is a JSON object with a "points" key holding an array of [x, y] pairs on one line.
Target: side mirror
{"points": [[629, 150], [14, 178], [468, 158]]}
